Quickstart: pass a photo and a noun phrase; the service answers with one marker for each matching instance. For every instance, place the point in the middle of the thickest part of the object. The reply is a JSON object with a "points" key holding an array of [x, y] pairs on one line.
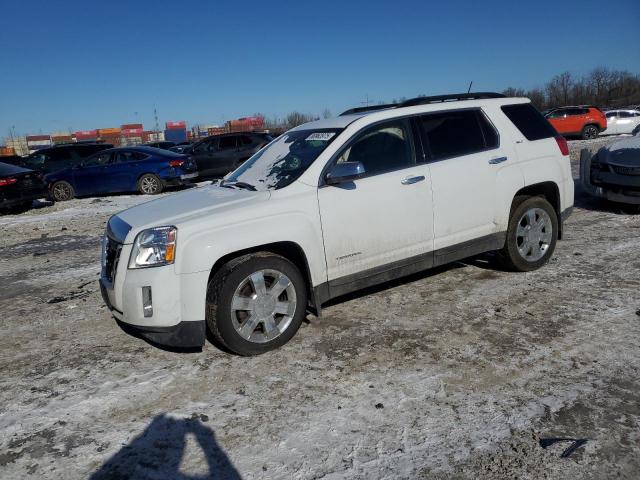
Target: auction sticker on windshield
{"points": [[322, 136]]}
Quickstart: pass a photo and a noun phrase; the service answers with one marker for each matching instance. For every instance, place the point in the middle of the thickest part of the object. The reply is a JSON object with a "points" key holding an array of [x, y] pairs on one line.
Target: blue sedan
{"points": [[147, 170]]}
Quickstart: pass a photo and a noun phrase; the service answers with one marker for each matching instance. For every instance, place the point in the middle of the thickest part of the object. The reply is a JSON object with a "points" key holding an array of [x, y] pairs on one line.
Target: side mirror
{"points": [[344, 172]]}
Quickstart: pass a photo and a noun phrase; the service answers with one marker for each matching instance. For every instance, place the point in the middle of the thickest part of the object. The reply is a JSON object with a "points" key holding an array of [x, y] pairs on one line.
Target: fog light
{"points": [[147, 303]]}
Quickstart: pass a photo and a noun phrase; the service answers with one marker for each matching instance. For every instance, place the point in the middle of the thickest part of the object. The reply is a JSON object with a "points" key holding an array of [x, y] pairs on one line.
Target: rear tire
{"points": [[256, 303], [590, 132], [62, 191], [150, 184], [531, 235]]}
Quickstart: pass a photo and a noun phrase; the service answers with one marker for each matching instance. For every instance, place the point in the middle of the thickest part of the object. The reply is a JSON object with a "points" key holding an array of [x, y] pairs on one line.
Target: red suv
{"points": [[585, 121]]}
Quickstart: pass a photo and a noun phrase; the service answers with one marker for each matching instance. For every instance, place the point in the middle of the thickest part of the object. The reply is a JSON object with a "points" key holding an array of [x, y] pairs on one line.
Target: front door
{"points": [[384, 219], [91, 177]]}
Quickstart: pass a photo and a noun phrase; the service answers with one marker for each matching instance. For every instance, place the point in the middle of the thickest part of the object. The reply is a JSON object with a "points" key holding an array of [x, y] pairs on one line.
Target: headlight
{"points": [[154, 247]]}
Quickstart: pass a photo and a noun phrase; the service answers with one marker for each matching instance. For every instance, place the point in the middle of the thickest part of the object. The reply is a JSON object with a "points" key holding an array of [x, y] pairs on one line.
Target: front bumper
{"points": [[184, 334], [163, 306], [611, 186]]}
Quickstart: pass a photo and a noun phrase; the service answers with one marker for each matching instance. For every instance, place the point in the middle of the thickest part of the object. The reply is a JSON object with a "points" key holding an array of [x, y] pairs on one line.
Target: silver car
{"points": [[622, 121]]}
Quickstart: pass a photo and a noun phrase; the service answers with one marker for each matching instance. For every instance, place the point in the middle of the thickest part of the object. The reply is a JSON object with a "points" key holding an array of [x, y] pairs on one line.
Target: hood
{"points": [[189, 205], [624, 153]]}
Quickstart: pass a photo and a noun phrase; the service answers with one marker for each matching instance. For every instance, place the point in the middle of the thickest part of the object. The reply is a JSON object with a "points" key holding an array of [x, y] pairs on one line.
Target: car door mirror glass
{"points": [[344, 172]]}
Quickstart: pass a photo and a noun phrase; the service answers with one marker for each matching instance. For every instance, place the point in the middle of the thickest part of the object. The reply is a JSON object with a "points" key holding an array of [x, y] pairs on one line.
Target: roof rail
{"points": [[449, 98], [426, 100], [368, 108]]}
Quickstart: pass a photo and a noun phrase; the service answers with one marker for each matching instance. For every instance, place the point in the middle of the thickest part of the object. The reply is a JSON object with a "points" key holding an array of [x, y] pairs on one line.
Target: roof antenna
{"points": [[470, 83]]}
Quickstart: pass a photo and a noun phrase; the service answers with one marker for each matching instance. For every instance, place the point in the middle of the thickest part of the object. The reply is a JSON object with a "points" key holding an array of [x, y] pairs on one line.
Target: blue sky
{"points": [[84, 64]]}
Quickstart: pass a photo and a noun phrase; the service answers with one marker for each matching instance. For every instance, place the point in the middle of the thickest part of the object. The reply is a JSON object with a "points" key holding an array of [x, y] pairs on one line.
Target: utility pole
{"points": [[366, 102], [157, 129]]}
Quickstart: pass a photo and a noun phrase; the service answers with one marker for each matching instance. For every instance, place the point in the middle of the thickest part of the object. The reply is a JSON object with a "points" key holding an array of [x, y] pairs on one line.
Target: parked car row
{"points": [[97, 168], [588, 121]]}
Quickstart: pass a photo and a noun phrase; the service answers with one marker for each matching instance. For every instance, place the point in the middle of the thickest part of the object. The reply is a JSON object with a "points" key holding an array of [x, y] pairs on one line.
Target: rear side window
{"points": [[457, 133], [529, 121], [245, 140], [625, 114]]}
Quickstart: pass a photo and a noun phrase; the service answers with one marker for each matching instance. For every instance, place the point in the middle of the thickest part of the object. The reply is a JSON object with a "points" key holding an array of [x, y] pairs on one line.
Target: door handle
{"points": [[495, 161], [411, 180]]}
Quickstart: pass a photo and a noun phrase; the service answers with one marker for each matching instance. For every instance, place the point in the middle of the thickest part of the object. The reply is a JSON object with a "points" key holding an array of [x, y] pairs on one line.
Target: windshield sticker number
{"points": [[322, 136]]}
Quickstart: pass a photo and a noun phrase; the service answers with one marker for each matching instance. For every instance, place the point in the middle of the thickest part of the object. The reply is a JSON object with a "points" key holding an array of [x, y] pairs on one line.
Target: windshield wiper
{"points": [[244, 185]]}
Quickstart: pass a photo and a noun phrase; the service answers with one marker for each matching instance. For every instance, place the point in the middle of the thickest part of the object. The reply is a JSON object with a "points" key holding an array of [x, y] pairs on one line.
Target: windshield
{"points": [[283, 160]]}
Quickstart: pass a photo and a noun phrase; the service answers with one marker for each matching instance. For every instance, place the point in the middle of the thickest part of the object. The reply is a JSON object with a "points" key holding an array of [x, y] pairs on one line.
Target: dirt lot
{"points": [[461, 372]]}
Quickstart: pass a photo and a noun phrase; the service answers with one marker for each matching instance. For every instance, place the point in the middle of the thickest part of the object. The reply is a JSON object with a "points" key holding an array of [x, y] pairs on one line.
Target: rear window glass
{"points": [[529, 121]]}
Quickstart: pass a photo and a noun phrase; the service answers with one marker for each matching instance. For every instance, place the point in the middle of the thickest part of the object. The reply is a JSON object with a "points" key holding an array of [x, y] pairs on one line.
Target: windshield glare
{"points": [[283, 160]]}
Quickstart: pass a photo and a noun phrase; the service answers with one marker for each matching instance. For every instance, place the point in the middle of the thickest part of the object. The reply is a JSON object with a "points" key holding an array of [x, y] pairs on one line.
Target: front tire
{"points": [[62, 191], [531, 236], [256, 303], [590, 132], [150, 184]]}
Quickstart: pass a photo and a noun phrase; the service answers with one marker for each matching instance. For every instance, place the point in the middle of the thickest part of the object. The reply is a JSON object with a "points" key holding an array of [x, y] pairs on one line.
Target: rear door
{"points": [[626, 122], [612, 122], [204, 154], [124, 169], [228, 154], [465, 157]]}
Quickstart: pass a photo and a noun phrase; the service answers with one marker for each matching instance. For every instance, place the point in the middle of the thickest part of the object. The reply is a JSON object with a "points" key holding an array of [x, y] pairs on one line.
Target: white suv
{"points": [[333, 206]]}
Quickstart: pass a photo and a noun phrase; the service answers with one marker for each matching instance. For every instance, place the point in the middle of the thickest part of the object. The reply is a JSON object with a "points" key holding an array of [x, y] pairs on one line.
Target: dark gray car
{"points": [[218, 155], [613, 172]]}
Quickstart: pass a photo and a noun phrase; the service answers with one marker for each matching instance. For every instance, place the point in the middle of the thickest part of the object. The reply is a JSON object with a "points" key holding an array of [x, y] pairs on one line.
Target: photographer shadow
{"points": [[158, 452]]}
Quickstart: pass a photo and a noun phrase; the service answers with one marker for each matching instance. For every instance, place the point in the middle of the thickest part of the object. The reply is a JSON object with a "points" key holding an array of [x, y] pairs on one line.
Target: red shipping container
{"points": [[181, 125], [132, 132], [37, 138], [87, 133], [132, 126]]}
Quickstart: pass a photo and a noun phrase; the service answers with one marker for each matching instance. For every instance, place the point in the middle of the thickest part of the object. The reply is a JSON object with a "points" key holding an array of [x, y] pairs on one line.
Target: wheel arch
{"points": [[287, 249], [550, 191]]}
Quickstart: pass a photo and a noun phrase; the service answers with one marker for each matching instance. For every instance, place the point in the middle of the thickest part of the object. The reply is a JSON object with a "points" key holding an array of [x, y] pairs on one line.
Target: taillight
{"points": [[176, 163], [562, 144], [7, 181]]}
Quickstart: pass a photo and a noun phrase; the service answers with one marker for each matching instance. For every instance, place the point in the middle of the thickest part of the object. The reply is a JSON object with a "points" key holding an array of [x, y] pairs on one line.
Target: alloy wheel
{"points": [[62, 191], [149, 185], [263, 306], [534, 234]]}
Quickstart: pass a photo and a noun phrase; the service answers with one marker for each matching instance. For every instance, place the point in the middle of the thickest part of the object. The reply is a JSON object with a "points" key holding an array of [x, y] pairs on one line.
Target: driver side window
{"points": [[382, 148]]}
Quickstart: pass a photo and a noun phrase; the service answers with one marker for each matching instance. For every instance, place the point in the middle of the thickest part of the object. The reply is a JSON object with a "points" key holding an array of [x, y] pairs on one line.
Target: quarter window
{"points": [[529, 121], [380, 149], [457, 133]]}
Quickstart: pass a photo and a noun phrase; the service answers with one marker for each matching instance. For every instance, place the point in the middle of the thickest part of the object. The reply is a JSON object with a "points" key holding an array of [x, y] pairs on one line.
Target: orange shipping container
{"points": [[109, 131], [6, 151]]}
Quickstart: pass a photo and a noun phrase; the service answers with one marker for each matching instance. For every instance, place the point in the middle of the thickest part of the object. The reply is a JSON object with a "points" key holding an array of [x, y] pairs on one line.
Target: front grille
{"points": [[111, 258], [625, 170]]}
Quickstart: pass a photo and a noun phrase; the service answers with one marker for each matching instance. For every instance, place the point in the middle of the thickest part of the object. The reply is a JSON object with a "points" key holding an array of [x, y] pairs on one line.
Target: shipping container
{"points": [[216, 130], [6, 151], [131, 132], [87, 133], [181, 125], [132, 126], [37, 138], [175, 135], [58, 139], [109, 131]]}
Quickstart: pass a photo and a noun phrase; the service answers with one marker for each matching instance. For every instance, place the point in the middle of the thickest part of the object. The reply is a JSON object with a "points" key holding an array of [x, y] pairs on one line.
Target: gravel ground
{"points": [[461, 372]]}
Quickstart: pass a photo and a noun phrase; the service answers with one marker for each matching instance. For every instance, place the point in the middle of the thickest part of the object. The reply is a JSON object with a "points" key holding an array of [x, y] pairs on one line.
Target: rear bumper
{"points": [[24, 198]]}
